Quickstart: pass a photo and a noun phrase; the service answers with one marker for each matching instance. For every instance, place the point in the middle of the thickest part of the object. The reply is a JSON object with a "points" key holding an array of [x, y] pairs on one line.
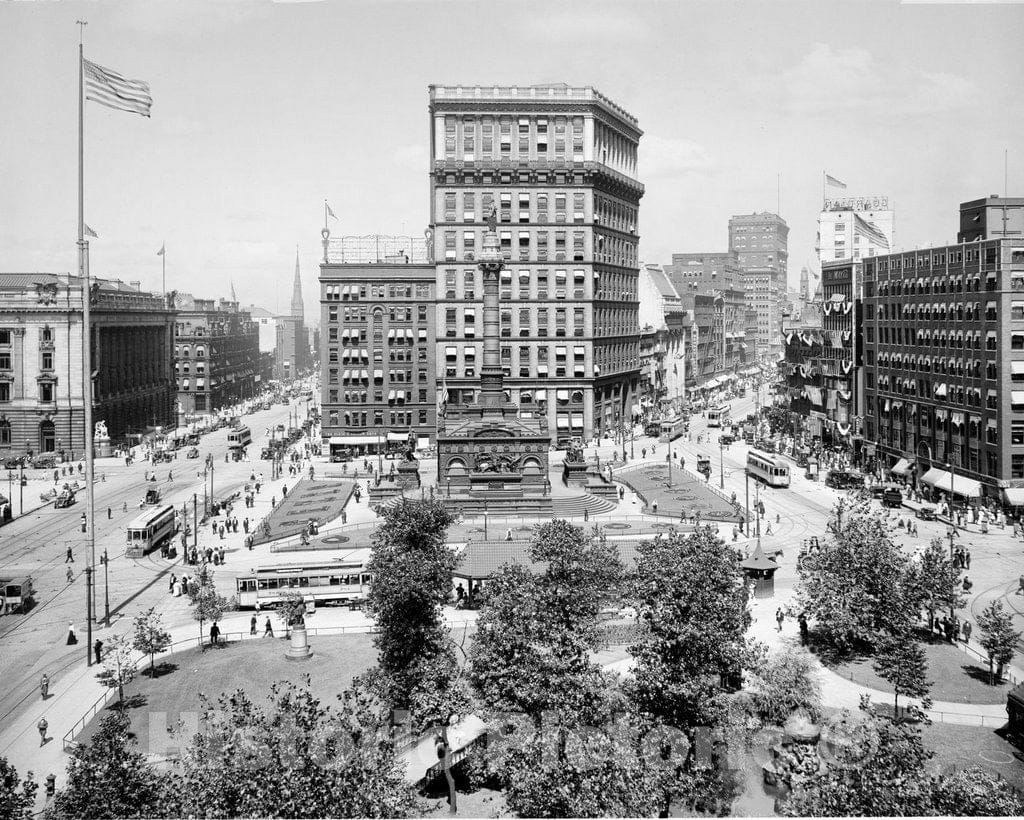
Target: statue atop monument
{"points": [[101, 431]]}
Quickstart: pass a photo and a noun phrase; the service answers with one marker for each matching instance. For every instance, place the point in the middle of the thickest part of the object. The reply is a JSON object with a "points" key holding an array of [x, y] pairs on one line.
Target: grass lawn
{"points": [[956, 747], [956, 676], [249, 665]]}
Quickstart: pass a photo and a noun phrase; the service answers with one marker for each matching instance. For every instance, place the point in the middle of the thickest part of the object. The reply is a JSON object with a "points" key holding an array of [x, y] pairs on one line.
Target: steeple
{"points": [[297, 311]]}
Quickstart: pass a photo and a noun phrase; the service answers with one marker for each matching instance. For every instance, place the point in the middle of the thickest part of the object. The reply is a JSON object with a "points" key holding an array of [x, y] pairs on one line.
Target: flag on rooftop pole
{"points": [[115, 91], [832, 182], [330, 213], [89, 231], [162, 248]]}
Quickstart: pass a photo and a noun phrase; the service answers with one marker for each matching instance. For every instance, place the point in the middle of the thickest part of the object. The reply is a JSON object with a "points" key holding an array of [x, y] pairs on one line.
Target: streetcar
{"points": [[150, 530], [717, 416], [673, 428], [771, 469], [339, 581], [16, 594], [239, 437]]}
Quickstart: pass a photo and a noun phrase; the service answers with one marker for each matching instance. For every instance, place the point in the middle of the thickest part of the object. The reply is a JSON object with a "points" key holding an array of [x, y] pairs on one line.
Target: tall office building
{"points": [[558, 167], [761, 244]]}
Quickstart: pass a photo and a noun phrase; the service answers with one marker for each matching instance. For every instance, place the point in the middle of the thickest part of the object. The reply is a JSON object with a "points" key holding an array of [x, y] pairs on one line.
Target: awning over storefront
{"points": [[1014, 496], [398, 436], [961, 485], [343, 441], [901, 467]]}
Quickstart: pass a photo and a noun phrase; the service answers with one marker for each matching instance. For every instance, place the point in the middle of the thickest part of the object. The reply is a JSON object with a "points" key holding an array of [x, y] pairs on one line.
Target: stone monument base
{"points": [[298, 649]]}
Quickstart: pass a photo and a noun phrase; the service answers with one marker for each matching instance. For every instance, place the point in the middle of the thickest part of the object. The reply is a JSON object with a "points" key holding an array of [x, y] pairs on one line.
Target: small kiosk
{"points": [[759, 569]]}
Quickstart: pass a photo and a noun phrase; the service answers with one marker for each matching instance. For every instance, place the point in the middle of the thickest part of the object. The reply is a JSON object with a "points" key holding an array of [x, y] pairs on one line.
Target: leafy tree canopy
{"points": [[17, 796]]}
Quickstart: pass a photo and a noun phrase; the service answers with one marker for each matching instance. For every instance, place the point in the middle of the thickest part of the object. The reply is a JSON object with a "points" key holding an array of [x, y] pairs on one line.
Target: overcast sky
{"points": [[261, 110]]}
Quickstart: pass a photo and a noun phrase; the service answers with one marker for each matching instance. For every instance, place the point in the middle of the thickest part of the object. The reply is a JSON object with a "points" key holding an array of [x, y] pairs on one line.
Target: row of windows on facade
{"points": [[395, 314], [925, 388], [945, 435], [230, 328], [532, 322], [542, 283], [340, 293], [357, 396], [364, 375], [395, 336], [361, 355], [935, 258], [45, 336], [539, 137], [931, 337], [607, 249], [396, 418], [46, 391], [940, 284], [900, 441], [536, 207]]}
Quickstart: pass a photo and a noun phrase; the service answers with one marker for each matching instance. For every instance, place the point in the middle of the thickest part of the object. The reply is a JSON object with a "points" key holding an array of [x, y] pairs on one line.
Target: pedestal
{"points": [[298, 649], [103, 448]]}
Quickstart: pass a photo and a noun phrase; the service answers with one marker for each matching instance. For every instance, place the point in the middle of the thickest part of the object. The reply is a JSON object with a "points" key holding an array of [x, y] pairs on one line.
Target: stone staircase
{"points": [[574, 506]]}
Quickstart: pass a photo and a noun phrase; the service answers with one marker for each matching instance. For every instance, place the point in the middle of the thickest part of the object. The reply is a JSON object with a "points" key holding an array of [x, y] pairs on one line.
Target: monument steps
{"points": [[574, 506]]}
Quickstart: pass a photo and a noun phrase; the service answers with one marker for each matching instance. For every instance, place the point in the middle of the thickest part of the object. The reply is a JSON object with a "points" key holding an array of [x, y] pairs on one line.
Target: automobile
{"points": [[926, 513], [726, 439], [14, 462], [765, 445], [280, 428], [837, 479], [267, 453], [878, 490], [45, 461], [892, 497], [160, 456], [193, 453]]}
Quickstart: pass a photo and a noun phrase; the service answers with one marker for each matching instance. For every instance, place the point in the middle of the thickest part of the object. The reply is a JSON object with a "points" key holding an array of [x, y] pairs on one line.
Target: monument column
{"points": [[492, 394]]}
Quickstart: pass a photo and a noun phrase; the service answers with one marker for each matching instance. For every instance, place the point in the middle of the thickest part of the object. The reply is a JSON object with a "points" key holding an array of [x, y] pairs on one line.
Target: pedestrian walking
{"points": [[654, 506], [779, 617], [44, 686], [967, 559], [42, 726], [214, 634], [268, 629], [97, 650], [768, 531], [69, 557], [804, 631], [252, 625], [124, 507], [170, 584], [70, 575], [966, 631], [110, 513], [72, 636]]}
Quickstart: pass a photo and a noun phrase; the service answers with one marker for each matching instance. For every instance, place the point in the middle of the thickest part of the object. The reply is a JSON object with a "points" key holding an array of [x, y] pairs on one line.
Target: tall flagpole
{"points": [[163, 269], [87, 385]]}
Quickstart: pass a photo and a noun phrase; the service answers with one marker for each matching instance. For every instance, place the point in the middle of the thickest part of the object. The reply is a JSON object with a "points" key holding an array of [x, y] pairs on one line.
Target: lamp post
{"points": [[106, 588], [746, 517], [668, 458], [721, 464], [952, 505]]}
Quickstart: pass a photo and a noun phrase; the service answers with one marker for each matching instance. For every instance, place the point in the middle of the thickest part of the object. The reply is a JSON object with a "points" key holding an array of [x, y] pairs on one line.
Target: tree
{"points": [[108, 777], [998, 638], [975, 792], [784, 683], [934, 581], [900, 660], [412, 568], [297, 757], [692, 605], [876, 769], [17, 796], [535, 632], [150, 636], [854, 586], [207, 603], [118, 666]]}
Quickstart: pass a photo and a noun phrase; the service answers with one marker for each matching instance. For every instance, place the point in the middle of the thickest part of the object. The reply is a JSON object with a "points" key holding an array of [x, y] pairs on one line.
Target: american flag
{"points": [[115, 91]]}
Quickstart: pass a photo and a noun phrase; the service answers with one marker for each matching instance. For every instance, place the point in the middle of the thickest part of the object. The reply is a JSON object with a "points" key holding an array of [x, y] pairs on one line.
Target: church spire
{"points": [[297, 310]]}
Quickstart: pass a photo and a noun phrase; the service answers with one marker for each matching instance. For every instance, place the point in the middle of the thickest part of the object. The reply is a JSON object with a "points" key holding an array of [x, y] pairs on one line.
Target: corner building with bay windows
{"points": [[557, 164]]}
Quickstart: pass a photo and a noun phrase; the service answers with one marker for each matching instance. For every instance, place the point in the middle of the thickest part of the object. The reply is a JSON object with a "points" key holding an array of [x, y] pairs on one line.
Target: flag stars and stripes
{"points": [[115, 91]]}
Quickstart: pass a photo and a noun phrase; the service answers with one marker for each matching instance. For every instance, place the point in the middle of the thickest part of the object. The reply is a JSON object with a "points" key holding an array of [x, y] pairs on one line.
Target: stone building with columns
{"points": [[42, 401]]}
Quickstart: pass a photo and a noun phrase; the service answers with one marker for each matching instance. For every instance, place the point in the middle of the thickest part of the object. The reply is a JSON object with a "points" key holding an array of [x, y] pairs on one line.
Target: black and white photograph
{"points": [[452, 408]]}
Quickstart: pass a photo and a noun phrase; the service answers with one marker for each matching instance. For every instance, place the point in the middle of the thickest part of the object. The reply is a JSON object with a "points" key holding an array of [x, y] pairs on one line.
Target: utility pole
{"points": [[106, 588], [721, 464]]}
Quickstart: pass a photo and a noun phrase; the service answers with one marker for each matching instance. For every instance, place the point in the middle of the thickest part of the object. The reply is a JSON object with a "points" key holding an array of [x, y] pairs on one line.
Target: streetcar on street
{"points": [[343, 580], [150, 530], [771, 469], [239, 438], [717, 416], [673, 428]]}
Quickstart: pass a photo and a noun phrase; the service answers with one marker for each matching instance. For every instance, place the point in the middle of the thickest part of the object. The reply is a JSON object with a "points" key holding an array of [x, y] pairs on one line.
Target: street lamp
{"points": [[668, 458], [106, 588], [721, 464]]}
